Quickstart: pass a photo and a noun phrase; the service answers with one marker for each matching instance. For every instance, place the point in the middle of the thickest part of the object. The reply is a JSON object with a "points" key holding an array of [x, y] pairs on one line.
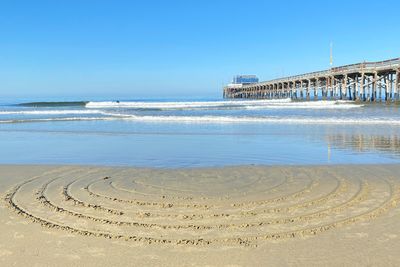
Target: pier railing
{"points": [[361, 81], [368, 66]]}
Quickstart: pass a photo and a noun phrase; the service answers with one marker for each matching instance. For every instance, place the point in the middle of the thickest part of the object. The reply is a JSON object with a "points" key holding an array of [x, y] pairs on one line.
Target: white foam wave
{"points": [[247, 119], [308, 105], [179, 105], [273, 120], [56, 119], [221, 120], [50, 112], [245, 104]]}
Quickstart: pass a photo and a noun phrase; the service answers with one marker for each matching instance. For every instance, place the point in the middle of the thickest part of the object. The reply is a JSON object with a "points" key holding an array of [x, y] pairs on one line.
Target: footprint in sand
{"points": [[96, 252], [390, 236], [387, 237], [357, 235], [18, 235], [5, 252], [68, 256]]}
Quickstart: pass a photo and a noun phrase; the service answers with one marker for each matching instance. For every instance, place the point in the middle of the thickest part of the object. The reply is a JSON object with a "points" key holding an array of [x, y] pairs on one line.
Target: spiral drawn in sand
{"points": [[233, 206]]}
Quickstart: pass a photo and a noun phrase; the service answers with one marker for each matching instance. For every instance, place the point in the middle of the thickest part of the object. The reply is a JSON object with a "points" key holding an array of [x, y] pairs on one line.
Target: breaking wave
{"points": [[273, 120], [54, 104], [50, 112], [182, 105], [221, 120], [239, 104]]}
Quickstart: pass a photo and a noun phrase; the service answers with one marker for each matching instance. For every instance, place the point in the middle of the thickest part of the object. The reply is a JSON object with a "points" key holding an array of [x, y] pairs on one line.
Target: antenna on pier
{"points": [[331, 56]]}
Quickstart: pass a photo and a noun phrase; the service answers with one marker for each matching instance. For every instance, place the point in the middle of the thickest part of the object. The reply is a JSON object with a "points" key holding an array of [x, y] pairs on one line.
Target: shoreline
{"points": [[237, 215], [216, 167]]}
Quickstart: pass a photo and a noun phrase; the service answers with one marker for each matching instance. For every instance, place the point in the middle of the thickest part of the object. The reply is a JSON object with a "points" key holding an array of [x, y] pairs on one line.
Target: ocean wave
{"points": [[181, 105], [50, 112], [55, 104], [309, 105], [240, 104], [273, 120], [11, 121], [221, 120]]}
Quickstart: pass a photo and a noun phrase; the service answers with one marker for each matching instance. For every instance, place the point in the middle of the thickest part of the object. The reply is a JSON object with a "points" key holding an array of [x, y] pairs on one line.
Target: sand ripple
{"points": [[230, 206]]}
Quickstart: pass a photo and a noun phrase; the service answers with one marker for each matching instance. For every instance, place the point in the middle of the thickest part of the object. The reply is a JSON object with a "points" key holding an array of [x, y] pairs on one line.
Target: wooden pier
{"points": [[367, 81]]}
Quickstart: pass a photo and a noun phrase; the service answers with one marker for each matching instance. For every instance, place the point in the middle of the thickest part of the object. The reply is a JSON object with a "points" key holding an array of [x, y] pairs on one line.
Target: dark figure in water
{"points": [[117, 101]]}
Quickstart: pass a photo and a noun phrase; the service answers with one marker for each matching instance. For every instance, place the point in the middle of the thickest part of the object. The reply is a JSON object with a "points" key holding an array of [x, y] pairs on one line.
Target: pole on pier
{"points": [[335, 94], [350, 89], [331, 86], [280, 86], [286, 90], [374, 83], [271, 91], [362, 87], [397, 85], [274, 90], [301, 90], [388, 87], [340, 88], [292, 90], [280, 90], [344, 89], [326, 87], [277, 91], [368, 87], [355, 88]]}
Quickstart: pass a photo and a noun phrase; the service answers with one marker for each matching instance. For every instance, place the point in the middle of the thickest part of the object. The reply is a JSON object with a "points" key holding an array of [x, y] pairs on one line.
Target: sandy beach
{"points": [[232, 216], [199, 133]]}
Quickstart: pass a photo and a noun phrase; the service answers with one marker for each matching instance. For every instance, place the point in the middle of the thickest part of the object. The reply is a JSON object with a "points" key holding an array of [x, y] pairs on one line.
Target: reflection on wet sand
{"points": [[388, 144]]}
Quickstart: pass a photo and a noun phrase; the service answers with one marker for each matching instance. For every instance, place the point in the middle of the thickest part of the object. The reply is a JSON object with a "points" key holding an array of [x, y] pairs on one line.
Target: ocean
{"points": [[198, 133]]}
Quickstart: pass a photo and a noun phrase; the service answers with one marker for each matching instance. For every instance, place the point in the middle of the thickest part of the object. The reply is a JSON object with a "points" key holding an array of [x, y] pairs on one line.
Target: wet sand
{"points": [[234, 216]]}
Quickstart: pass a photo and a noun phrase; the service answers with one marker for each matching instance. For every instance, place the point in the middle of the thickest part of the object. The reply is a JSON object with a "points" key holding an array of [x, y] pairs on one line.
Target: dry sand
{"points": [[237, 216]]}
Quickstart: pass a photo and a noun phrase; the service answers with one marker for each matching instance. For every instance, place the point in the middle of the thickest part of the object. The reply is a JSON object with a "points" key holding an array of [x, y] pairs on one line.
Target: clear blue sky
{"points": [[181, 48]]}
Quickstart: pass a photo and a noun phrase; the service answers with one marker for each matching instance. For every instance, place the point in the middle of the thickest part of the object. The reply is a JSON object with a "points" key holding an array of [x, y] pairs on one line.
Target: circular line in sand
{"points": [[327, 206]]}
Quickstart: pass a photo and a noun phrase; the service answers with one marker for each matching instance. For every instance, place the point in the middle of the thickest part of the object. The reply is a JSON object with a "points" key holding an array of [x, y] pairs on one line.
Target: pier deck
{"points": [[367, 81]]}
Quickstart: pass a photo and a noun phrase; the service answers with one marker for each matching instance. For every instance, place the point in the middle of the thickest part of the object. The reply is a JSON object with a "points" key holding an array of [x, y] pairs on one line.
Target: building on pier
{"points": [[367, 81], [245, 79]]}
